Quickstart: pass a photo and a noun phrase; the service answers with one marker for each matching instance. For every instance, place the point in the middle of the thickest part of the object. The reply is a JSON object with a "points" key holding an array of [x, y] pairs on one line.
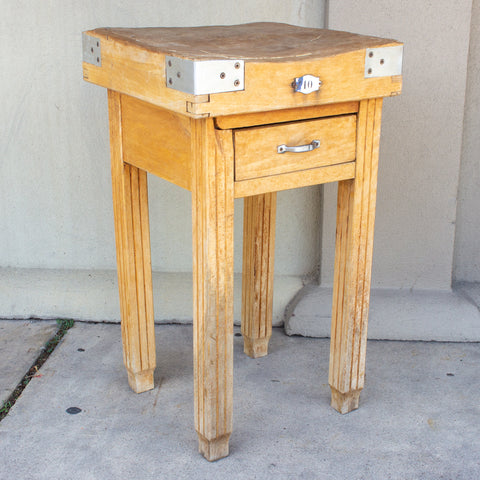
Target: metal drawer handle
{"points": [[300, 148]]}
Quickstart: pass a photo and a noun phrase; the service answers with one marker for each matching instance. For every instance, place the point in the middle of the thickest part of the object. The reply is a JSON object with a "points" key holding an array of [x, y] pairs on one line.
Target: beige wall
{"points": [[55, 193], [420, 143], [467, 239]]}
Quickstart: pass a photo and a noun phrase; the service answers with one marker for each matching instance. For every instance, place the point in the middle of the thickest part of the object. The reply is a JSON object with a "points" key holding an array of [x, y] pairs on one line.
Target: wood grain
{"points": [[353, 262], [139, 73], [233, 154], [130, 206], [257, 274], [268, 85], [157, 140], [268, 41], [256, 147], [303, 178], [212, 207], [133, 62], [287, 115]]}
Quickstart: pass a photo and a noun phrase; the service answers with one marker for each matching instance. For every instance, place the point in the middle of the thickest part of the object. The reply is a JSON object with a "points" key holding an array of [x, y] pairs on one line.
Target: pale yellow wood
{"points": [[157, 140], [134, 71], [257, 277], [234, 154], [304, 178], [133, 62], [288, 115], [130, 204], [261, 41], [256, 152], [212, 206], [270, 88], [353, 261]]}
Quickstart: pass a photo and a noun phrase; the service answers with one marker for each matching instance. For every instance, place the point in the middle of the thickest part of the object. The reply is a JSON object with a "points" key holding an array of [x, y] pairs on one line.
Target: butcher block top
{"points": [[222, 70]]}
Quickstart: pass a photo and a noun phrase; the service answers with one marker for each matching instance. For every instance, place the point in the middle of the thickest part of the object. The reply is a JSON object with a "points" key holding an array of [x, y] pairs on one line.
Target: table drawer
{"points": [[256, 148]]}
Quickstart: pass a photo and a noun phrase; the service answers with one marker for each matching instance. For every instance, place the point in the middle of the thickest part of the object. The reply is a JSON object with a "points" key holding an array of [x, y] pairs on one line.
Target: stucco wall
{"points": [[420, 144], [467, 244], [55, 192]]}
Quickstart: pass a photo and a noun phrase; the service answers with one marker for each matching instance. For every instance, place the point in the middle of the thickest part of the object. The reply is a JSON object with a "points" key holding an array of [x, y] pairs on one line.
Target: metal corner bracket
{"points": [[383, 61], [91, 50], [202, 77]]}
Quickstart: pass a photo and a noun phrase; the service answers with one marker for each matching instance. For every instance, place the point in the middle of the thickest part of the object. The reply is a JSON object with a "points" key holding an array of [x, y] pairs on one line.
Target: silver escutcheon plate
{"points": [[201, 77], [91, 50], [306, 84], [383, 61]]}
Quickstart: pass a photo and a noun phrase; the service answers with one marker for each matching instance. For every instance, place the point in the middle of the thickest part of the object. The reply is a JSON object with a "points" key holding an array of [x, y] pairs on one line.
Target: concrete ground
{"points": [[21, 342], [419, 415]]}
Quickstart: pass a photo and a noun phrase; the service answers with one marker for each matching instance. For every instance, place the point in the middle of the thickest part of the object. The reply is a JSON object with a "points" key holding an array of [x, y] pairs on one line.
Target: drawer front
{"points": [[256, 148]]}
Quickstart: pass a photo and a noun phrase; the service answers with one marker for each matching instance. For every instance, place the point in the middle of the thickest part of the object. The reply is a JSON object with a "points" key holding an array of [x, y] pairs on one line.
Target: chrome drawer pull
{"points": [[300, 148]]}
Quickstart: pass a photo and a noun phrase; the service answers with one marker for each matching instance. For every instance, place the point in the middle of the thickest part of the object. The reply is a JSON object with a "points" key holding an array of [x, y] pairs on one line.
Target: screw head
{"points": [[237, 65], [236, 83], [222, 75]]}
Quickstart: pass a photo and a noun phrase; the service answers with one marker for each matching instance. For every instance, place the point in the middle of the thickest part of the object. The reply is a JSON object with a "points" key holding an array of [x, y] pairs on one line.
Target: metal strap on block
{"points": [[91, 50], [202, 77], [383, 61]]}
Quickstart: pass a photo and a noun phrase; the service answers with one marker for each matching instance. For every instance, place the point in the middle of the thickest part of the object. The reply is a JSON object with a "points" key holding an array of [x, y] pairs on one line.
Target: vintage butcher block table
{"points": [[242, 111]]}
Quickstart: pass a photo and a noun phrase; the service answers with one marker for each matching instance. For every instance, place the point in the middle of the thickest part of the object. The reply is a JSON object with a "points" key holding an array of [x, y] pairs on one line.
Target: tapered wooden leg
{"points": [[257, 278], [212, 208], [130, 206], [353, 262]]}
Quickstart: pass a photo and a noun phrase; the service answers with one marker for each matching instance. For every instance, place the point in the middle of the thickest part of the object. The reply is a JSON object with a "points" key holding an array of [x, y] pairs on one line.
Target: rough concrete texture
{"points": [[395, 314], [418, 416], [21, 343], [93, 295]]}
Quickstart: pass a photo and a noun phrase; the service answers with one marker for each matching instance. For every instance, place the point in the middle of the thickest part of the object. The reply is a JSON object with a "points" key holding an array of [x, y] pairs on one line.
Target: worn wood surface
{"points": [[266, 41], [303, 178], [133, 62], [157, 140], [287, 115], [212, 214], [141, 74], [256, 147], [235, 155], [353, 262], [130, 206], [257, 273]]}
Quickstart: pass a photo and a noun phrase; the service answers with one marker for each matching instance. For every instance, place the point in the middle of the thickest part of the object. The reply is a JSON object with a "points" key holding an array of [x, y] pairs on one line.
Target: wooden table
{"points": [[217, 110]]}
